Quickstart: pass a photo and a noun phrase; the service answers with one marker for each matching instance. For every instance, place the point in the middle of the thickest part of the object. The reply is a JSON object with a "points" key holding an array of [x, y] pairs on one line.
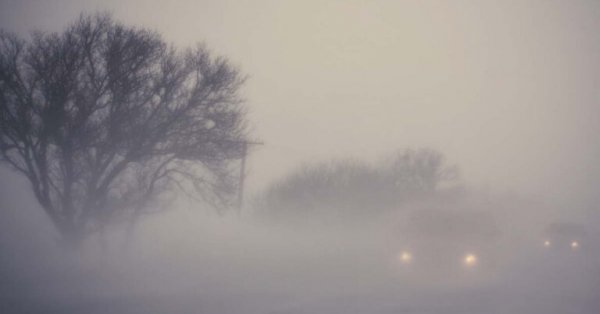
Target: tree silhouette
{"points": [[103, 119], [347, 189]]}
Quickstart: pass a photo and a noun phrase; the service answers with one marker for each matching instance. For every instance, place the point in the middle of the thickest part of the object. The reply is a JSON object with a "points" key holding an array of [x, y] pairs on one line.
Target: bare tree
{"points": [[354, 189], [418, 171], [103, 118]]}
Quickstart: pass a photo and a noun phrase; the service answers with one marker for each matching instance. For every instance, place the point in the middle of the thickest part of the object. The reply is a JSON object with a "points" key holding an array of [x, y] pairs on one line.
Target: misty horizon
{"points": [[359, 157]]}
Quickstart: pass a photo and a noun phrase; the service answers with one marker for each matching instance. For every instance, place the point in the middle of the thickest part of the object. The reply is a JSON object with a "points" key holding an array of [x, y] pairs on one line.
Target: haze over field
{"points": [[507, 92]]}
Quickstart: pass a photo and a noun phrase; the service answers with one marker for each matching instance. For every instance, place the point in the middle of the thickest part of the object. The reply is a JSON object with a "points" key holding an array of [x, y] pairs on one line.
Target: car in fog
{"points": [[436, 245], [564, 237]]}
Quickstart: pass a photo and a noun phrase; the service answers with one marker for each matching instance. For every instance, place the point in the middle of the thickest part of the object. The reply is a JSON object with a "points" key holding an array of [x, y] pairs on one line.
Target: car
{"points": [[436, 245], [564, 236]]}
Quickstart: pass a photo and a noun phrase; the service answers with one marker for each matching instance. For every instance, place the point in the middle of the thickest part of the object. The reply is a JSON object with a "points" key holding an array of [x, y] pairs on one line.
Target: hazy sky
{"points": [[507, 89]]}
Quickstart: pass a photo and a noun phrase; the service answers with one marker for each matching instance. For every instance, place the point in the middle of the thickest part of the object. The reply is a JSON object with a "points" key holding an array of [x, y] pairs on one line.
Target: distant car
{"points": [[438, 244], [564, 236]]}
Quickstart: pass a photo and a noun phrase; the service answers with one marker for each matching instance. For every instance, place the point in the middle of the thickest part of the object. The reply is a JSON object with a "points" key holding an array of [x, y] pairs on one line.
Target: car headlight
{"points": [[574, 245], [405, 257], [547, 243], [470, 260]]}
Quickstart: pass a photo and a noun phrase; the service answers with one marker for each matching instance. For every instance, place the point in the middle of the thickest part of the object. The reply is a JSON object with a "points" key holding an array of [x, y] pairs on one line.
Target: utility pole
{"points": [[240, 199]]}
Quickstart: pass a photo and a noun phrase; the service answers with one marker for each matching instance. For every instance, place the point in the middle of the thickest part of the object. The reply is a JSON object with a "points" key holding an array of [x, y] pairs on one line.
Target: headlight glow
{"points": [[470, 260], [405, 257], [574, 244], [547, 243]]}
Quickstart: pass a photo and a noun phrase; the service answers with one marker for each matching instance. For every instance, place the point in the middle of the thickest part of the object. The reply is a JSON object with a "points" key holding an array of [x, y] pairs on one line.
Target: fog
{"points": [[507, 92]]}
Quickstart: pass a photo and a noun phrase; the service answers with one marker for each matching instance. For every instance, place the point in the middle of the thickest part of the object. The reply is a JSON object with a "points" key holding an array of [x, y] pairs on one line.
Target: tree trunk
{"points": [[130, 231], [72, 239]]}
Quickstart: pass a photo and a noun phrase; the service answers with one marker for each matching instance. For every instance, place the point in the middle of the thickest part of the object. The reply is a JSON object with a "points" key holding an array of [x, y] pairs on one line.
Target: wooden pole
{"points": [[240, 200]]}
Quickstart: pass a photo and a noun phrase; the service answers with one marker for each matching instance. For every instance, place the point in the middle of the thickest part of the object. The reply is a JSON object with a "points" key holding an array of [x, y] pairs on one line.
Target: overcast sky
{"points": [[509, 90]]}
